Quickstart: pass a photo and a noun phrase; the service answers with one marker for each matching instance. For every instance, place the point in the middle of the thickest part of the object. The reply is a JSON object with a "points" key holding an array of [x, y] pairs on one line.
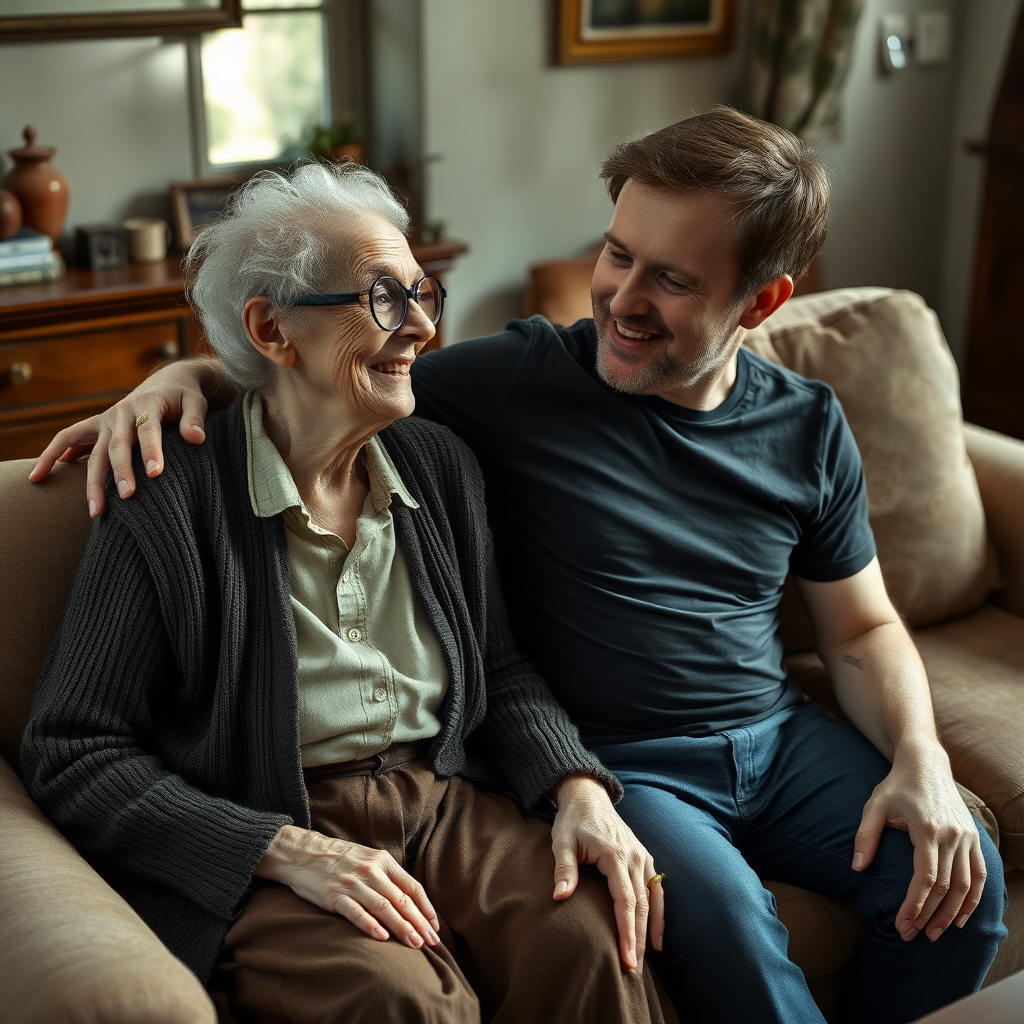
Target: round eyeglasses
{"points": [[389, 300]]}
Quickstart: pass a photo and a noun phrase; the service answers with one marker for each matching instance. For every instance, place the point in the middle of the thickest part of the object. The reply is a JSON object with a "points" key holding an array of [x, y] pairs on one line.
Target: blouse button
{"points": [[380, 694], [354, 635]]}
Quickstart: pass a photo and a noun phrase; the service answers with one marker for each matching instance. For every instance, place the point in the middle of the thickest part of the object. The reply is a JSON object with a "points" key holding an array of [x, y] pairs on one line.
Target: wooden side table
{"points": [[71, 348]]}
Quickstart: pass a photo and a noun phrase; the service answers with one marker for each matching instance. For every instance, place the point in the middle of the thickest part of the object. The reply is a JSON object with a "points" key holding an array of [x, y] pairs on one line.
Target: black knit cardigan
{"points": [[164, 739]]}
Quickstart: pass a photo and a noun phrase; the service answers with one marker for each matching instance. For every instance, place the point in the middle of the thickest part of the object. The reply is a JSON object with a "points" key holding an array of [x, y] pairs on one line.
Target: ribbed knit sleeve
{"points": [[88, 752], [525, 734], [532, 742]]}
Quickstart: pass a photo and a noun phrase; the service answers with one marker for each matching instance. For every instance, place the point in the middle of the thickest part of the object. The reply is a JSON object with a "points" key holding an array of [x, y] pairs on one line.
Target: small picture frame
{"points": [[592, 31], [194, 204]]}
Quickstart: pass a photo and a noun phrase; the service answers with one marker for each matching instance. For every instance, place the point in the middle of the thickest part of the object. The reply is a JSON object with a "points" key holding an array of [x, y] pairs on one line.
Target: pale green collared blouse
{"points": [[370, 669]]}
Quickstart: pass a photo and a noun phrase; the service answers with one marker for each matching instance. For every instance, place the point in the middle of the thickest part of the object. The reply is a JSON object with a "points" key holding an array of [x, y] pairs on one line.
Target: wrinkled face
{"points": [[345, 361], [663, 291]]}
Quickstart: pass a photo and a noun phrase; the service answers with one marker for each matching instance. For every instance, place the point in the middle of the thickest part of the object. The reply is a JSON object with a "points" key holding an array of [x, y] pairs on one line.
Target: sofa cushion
{"points": [[976, 668], [998, 463], [45, 528], [1010, 958], [883, 353], [71, 949], [824, 934]]}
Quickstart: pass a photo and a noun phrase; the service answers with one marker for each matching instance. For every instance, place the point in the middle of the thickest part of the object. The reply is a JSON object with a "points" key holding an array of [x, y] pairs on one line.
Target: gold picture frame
{"points": [[594, 31]]}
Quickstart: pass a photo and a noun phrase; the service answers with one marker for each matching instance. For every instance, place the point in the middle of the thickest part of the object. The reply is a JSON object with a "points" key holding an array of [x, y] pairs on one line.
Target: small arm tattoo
{"points": [[855, 662]]}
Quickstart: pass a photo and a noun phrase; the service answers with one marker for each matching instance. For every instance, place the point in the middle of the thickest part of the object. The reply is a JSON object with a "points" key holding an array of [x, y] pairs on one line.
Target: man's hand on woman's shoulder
{"points": [[174, 394]]}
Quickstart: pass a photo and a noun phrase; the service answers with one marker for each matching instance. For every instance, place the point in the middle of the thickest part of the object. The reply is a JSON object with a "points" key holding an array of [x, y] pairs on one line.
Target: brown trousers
{"points": [[509, 953]]}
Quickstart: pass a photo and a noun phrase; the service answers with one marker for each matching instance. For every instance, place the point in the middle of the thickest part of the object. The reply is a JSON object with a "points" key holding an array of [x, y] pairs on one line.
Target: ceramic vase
{"points": [[40, 188], [10, 214]]}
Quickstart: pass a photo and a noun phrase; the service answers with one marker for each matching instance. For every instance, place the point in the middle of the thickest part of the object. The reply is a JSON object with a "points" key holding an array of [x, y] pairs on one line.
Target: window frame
{"points": [[346, 73]]}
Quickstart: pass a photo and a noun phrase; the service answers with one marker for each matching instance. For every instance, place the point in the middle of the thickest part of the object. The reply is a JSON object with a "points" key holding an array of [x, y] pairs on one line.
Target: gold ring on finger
{"points": [[140, 419], [656, 879]]}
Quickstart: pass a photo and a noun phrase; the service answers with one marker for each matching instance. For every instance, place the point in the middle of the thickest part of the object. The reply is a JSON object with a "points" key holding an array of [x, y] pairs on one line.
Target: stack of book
{"points": [[28, 257]]}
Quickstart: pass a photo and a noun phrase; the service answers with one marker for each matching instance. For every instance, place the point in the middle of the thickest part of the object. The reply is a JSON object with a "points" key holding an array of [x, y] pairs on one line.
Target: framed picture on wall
{"points": [[194, 204], [605, 30]]}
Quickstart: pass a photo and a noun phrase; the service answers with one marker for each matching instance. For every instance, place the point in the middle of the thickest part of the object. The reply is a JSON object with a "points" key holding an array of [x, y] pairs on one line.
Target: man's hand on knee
{"points": [[920, 797], [587, 830]]}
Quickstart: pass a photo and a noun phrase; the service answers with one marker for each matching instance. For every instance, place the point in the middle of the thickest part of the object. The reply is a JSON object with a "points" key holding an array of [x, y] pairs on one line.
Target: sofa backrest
{"points": [[42, 537], [884, 354]]}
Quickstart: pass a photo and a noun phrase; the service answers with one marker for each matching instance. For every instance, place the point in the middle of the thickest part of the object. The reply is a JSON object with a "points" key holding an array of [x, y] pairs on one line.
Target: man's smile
{"points": [[631, 338], [632, 335]]}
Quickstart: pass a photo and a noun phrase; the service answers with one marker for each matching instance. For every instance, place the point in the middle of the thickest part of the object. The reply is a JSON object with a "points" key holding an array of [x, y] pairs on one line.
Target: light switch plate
{"points": [[894, 36]]}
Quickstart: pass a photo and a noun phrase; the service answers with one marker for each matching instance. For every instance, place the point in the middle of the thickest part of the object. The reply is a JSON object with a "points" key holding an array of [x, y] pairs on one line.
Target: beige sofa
{"points": [[946, 506], [946, 501]]}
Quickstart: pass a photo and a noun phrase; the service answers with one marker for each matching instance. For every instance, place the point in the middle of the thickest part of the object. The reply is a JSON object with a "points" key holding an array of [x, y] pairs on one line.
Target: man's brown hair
{"points": [[780, 189]]}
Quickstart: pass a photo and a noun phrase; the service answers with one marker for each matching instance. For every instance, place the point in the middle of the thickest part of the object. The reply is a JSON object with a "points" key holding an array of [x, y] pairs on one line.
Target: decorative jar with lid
{"points": [[40, 188]]}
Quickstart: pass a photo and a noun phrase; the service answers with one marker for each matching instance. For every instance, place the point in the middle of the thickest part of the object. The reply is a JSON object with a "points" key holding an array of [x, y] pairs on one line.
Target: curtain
{"points": [[799, 56]]}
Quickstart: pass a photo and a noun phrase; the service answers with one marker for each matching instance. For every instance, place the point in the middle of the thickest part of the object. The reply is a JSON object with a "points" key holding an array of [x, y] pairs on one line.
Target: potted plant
{"points": [[342, 140]]}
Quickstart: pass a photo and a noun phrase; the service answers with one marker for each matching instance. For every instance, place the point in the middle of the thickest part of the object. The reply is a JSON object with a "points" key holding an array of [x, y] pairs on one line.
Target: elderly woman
{"points": [[285, 694]]}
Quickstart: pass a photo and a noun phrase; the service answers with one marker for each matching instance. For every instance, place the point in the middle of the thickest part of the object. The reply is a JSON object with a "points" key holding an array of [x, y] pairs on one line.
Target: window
{"points": [[258, 90]]}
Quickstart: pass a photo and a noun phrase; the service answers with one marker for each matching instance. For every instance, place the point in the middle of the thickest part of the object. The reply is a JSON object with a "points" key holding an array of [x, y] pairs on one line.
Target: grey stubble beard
{"points": [[663, 375]]}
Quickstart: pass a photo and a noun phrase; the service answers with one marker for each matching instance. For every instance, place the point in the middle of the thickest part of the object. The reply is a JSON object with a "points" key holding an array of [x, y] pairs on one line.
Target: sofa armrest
{"points": [[999, 466], [70, 948]]}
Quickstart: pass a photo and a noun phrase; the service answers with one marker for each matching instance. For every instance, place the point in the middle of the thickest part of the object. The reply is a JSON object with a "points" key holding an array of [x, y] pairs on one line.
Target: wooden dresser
{"points": [[73, 347]]}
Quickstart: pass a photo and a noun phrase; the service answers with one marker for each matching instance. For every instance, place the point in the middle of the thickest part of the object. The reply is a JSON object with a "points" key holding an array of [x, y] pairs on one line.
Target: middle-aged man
{"points": [[651, 484]]}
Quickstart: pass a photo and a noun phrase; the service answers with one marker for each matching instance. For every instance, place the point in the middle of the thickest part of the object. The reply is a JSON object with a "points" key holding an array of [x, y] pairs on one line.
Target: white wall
{"points": [[985, 37], [522, 140], [117, 111], [890, 164], [906, 194]]}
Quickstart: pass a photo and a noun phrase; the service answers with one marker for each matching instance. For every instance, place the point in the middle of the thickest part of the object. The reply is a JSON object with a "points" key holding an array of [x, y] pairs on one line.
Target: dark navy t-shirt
{"points": [[644, 546]]}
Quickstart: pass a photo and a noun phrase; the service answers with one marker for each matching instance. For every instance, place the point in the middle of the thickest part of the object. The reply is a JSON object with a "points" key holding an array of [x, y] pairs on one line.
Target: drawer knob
{"points": [[20, 373], [169, 350]]}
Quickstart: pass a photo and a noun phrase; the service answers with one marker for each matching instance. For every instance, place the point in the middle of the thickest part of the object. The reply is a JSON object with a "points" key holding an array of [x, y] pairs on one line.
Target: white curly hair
{"points": [[273, 240]]}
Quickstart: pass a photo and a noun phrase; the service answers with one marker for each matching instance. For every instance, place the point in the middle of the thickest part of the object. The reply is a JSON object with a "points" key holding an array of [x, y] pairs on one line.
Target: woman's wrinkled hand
{"points": [[588, 830], [366, 886], [172, 395]]}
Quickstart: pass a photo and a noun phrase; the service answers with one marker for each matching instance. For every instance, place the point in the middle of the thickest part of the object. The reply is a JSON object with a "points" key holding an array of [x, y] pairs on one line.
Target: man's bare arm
{"points": [[881, 685], [180, 392]]}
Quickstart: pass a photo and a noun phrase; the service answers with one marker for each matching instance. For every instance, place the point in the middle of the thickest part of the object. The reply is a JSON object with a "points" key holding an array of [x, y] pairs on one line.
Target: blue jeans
{"points": [[782, 799]]}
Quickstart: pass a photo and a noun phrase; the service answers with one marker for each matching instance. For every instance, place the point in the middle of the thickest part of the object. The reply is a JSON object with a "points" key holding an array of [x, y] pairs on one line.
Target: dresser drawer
{"points": [[26, 437], [86, 363]]}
